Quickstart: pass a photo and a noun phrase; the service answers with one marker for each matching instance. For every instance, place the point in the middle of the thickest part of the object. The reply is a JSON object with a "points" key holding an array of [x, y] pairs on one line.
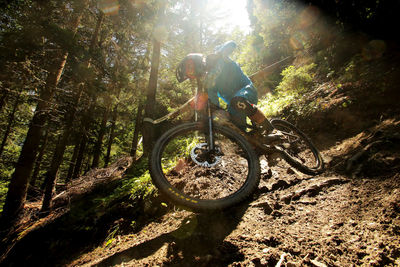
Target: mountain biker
{"points": [[223, 78]]}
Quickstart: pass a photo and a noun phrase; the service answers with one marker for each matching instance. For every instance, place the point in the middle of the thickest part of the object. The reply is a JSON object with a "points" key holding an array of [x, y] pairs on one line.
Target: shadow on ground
{"points": [[198, 241]]}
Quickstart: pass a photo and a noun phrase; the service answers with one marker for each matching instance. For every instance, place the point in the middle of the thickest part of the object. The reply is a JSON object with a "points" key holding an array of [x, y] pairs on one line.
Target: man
{"points": [[225, 79]]}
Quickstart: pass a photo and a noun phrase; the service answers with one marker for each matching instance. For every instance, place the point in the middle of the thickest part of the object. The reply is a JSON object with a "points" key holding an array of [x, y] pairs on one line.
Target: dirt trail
{"points": [[348, 216]]}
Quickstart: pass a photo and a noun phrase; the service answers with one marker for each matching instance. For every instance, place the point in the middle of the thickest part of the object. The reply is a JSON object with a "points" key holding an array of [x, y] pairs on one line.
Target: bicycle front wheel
{"points": [[298, 150], [188, 173]]}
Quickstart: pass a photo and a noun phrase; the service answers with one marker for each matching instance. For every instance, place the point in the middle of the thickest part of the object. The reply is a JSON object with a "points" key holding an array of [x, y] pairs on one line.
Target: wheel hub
{"points": [[203, 157]]}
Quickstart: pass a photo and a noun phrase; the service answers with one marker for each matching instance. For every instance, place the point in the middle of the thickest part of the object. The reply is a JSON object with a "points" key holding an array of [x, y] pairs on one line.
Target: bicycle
{"points": [[210, 165]]}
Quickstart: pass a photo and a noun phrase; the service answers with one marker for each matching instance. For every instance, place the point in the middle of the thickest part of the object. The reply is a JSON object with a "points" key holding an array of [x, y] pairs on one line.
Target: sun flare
{"points": [[232, 13]]}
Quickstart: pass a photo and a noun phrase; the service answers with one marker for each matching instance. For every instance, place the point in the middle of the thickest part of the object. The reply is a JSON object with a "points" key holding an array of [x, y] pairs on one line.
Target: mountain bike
{"points": [[210, 165]]}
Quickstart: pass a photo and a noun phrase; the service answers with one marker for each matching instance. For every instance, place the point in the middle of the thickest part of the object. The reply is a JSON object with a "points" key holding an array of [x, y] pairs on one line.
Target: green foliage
{"points": [[295, 83], [135, 185], [272, 104], [296, 79]]}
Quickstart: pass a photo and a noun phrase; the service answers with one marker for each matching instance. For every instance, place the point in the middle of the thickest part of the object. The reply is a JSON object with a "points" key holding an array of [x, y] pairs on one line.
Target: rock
{"points": [[280, 184], [317, 263], [352, 222], [307, 202], [286, 199], [266, 250], [276, 214], [264, 205], [277, 206]]}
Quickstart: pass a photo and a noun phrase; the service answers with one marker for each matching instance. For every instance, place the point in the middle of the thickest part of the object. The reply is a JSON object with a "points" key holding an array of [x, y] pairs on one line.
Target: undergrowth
{"points": [[296, 82], [135, 185]]}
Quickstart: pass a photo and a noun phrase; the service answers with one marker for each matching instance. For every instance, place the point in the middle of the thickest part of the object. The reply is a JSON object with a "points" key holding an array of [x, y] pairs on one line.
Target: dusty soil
{"points": [[348, 216]]}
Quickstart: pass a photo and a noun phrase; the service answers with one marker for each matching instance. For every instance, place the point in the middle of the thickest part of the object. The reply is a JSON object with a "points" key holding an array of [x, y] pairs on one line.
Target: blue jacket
{"points": [[225, 80]]}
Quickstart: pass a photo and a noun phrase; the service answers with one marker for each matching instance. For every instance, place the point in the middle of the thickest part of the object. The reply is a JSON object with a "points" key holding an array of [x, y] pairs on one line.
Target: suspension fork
{"points": [[209, 127], [208, 121]]}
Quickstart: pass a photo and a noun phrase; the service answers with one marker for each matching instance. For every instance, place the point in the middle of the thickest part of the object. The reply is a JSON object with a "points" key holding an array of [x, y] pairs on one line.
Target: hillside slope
{"points": [[349, 215]]}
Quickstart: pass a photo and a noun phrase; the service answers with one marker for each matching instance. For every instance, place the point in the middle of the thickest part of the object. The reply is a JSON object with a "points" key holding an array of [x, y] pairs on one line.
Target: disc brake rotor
{"points": [[201, 156]]}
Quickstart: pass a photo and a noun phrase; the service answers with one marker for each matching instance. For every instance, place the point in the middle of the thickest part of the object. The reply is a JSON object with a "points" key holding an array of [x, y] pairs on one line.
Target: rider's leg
{"points": [[237, 110], [244, 103], [238, 118]]}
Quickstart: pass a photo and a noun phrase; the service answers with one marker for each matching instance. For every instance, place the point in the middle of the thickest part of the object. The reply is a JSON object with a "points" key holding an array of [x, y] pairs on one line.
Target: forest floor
{"points": [[347, 216]]}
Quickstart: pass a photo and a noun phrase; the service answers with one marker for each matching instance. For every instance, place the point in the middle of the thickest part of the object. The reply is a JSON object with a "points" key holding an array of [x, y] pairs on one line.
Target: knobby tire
{"points": [[309, 162], [233, 178]]}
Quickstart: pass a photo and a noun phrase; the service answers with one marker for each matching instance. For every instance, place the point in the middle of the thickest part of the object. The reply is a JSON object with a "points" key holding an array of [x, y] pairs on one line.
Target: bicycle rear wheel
{"points": [[298, 150], [185, 171]]}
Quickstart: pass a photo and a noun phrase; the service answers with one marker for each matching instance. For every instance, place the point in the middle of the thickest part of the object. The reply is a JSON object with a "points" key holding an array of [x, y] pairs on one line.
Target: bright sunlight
{"points": [[231, 14]]}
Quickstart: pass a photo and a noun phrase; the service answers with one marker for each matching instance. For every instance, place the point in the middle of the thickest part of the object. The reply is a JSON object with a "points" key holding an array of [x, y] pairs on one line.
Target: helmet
{"points": [[192, 67]]}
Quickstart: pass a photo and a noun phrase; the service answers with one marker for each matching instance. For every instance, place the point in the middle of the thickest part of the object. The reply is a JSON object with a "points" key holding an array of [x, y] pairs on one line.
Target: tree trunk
{"points": [[111, 137], [138, 126], [84, 139], [99, 143], [148, 128], [79, 158], [51, 174], [9, 124], [58, 155], [87, 164], [72, 162], [17, 189], [38, 161]]}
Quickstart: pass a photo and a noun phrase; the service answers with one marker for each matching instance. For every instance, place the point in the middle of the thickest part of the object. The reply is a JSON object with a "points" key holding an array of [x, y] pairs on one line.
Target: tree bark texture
{"points": [[84, 140]]}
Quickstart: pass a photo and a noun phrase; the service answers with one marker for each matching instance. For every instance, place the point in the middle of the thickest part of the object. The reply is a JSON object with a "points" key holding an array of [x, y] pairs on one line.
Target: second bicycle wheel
{"points": [[297, 149], [183, 168]]}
